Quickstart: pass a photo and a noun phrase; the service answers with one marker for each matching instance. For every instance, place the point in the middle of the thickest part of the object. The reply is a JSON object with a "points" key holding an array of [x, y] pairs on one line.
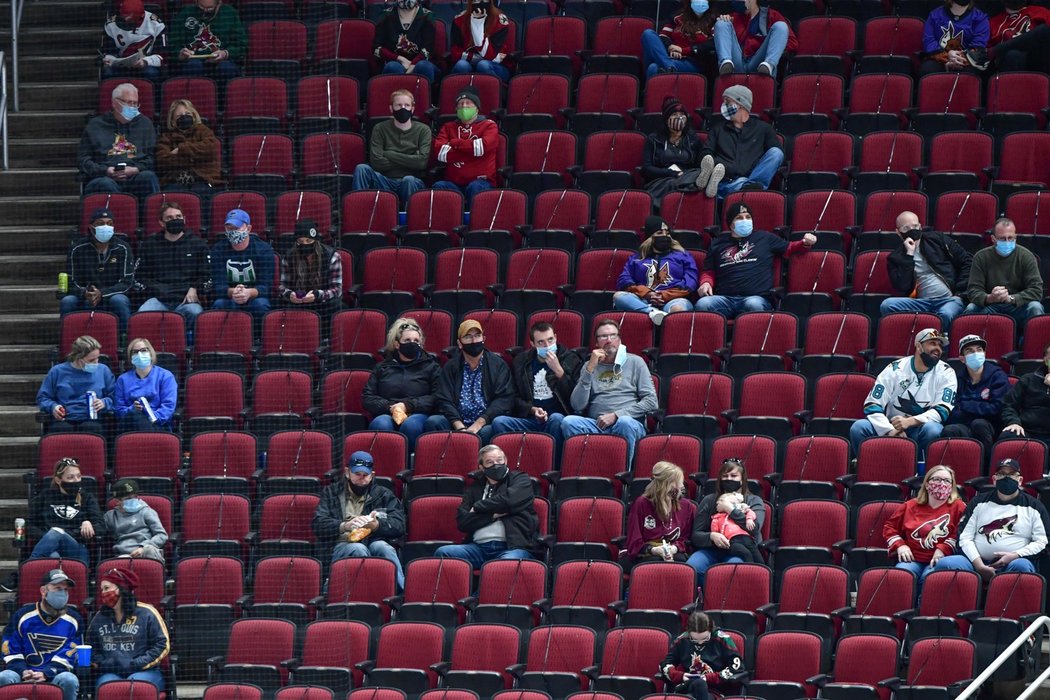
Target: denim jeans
{"points": [[379, 548], [923, 434], [411, 428], [119, 304], [367, 178], [762, 174], [508, 424], [67, 681], [138, 421], [1019, 313], [703, 559], [440, 424], [424, 68], [627, 301], [920, 570], [59, 544], [154, 678], [945, 307], [257, 307], [625, 426], [484, 67], [728, 48], [142, 185], [731, 306], [188, 311], [151, 73], [959, 562], [221, 70], [468, 190], [655, 56], [478, 554]]}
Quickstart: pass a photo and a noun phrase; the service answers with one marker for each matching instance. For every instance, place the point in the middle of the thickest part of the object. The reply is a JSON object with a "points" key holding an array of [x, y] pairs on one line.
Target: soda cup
{"points": [[63, 282], [92, 412], [83, 655], [20, 529]]}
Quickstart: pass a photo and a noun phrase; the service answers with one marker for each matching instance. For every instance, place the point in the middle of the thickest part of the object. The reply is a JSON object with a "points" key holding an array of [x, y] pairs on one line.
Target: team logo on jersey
{"points": [[65, 512], [932, 531], [44, 646], [739, 255], [205, 40], [998, 529], [121, 146], [951, 40], [657, 274], [650, 523], [909, 406]]}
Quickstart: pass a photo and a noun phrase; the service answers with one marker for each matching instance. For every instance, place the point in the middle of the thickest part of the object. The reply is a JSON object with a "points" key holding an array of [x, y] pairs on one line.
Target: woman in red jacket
{"points": [[479, 40]]}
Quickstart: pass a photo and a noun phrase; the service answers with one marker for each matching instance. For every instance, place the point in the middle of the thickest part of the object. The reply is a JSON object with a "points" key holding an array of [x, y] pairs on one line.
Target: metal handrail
{"points": [[976, 683], [16, 21], [3, 106]]}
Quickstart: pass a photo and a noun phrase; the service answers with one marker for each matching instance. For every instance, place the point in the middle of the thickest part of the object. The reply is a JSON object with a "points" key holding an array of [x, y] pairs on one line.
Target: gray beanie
{"points": [[739, 94]]}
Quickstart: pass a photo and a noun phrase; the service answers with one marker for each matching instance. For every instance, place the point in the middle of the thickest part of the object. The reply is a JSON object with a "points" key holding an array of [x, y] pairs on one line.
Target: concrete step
{"points": [[35, 240], [18, 421], [11, 508], [25, 359], [74, 13], [28, 299], [30, 329], [63, 95], [31, 270], [38, 210], [17, 453], [43, 153], [43, 69], [19, 389], [40, 181], [54, 38], [12, 484], [34, 124]]}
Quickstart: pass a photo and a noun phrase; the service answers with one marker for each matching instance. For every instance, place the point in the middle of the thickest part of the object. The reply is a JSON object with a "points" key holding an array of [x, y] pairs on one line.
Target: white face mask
{"points": [[729, 110]]}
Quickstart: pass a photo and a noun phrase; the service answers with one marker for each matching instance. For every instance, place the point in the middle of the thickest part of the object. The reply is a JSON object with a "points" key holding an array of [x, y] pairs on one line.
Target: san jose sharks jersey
{"points": [[991, 526], [924, 529], [35, 641], [900, 391]]}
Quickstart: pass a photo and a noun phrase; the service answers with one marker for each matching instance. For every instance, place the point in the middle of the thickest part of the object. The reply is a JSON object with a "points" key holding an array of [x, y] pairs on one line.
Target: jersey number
{"points": [[877, 392], [948, 397]]}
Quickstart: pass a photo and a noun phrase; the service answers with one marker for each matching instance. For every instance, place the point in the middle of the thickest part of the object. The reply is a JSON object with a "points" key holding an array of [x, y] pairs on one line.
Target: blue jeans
{"points": [[920, 570], [440, 424], [188, 311], [411, 428], [625, 426], [151, 73], [379, 548], [728, 48], [221, 71], [257, 307], [626, 301], [142, 185], [138, 421], [959, 562], [731, 306], [703, 559], [424, 68], [154, 678], [67, 681], [655, 56], [59, 545], [762, 174], [484, 67], [945, 307], [367, 178], [478, 554], [119, 304], [923, 434], [1019, 313], [468, 190]]}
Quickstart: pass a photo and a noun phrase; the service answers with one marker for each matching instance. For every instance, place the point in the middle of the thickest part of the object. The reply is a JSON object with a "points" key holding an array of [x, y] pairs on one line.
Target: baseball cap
{"points": [[101, 213], [972, 339], [360, 462], [1009, 463], [238, 218], [56, 576], [124, 488], [468, 326], [931, 334]]}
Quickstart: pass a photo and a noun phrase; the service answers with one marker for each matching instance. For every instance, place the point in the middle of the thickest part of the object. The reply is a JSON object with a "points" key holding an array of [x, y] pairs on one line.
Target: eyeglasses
{"points": [[406, 326], [140, 349], [940, 480], [129, 103], [607, 336]]}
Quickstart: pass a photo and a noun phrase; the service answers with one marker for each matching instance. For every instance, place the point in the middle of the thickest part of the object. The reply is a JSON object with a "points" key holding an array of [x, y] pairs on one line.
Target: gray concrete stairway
{"points": [[39, 198]]}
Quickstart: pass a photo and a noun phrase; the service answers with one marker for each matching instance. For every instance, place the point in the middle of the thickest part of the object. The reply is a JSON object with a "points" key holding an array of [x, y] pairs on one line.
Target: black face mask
{"points": [[359, 490], [1007, 486], [71, 488], [175, 226], [305, 248], [730, 485], [402, 116], [915, 234], [929, 360], [496, 472], [184, 122], [409, 350], [126, 24], [474, 349], [209, 14], [662, 244]]}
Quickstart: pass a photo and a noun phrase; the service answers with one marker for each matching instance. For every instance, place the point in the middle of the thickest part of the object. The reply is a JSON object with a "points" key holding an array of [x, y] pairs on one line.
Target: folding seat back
{"points": [[939, 662], [215, 525], [1013, 601], [945, 594], [689, 343], [501, 329], [555, 655], [276, 47], [551, 45], [758, 454], [284, 525], [1024, 209], [300, 205], [609, 162], [392, 277], [299, 461], [87, 449], [690, 216], [867, 547], [558, 217], [200, 91], [871, 283], [256, 105], [145, 90], [100, 325], [997, 330], [31, 571], [358, 589], [1022, 160], [769, 402], [883, 466], [820, 160], [286, 587], [829, 214], [589, 465], [888, 160], [369, 211], [435, 324], [623, 210], [534, 102], [431, 523], [617, 44], [878, 102], [783, 663], [150, 572], [207, 600], [124, 207], [223, 340], [864, 660], [658, 592], [377, 99], [808, 102], [882, 592], [487, 87], [689, 88], [636, 330], [684, 450], [506, 591], [825, 45], [532, 453], [891, 44], [153, 459], [588, 528], [813, 282], [479, 657], [331, 650], [496, 218], [568, 324], [462, 278], [252, 202], [1031, 454], [404, 654], [255, 652], [281, 400], [604, 101], [304, 692], [388, 449], [767, 207], [804, 541], [597, 271], [533, 280], [946, 102], [188, 202], [812, 466], [442, 463], [358, 335], [895, 335], [582, 592], [960, 213], [958, 161], [327, 103], [344, 46], [542, 160], [214, 401], [1036, 338], [733, 593], [834, 341], [761, 340], [262, 162], [628, 656], [1015, 101], [166, 331], [809, 595], [290, 340], [879, 226]]}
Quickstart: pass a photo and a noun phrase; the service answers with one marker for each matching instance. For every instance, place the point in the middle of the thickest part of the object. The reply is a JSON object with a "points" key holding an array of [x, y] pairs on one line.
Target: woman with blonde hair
{"points": [[924, 529], [77, 391], [188, 152], [64, 516], [660, 521], [400, 393], [145, 394]]}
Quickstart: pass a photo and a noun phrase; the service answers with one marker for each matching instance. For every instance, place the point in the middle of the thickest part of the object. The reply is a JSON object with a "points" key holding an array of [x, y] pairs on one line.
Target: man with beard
{"points": [[174, 267], [912, 396]]}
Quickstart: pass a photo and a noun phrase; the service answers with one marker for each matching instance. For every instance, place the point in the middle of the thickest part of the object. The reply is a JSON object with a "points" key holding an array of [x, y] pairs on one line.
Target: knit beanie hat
{"points": [[739, 94]]}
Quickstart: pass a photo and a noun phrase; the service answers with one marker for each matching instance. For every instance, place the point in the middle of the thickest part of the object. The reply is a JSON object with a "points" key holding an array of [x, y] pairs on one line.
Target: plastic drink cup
{"points": [[83, 655]]}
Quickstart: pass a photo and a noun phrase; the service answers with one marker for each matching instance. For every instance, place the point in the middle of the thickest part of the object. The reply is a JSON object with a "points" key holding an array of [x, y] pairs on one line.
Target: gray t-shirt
{"points": [[931, 286]]}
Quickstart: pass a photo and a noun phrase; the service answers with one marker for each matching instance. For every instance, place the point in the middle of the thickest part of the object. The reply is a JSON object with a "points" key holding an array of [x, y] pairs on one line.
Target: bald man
{"points": [[929, 271]]}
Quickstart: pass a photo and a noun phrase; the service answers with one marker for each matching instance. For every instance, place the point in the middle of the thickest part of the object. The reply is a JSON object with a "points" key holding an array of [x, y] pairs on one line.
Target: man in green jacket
{"points": [[1005, 279], [209, 40]]}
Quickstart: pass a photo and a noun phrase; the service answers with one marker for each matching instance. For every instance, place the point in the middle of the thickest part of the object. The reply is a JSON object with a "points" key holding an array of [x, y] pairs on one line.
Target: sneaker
{"points": [[657, 316], [10, 583], [765, 68], [725, 68], [716, 178], [978, 58], [706, 166]]}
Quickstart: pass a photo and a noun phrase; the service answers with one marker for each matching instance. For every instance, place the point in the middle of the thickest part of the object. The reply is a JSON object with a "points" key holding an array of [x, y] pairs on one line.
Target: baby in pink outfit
{"points": [[736, 521]]}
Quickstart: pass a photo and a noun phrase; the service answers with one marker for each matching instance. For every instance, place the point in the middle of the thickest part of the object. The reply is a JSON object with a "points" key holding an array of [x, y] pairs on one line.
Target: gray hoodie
{"points": [[131, 531]]}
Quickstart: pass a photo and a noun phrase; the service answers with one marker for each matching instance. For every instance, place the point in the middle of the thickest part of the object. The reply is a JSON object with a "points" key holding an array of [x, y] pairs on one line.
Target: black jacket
{"points": [[521, 375], [495, 385], [512, 496], [168, 269], [415, 383], [946, 258], [739, 149], [53, 508], [709, 659], [112, 273], [329, 514], [1028, 403]]}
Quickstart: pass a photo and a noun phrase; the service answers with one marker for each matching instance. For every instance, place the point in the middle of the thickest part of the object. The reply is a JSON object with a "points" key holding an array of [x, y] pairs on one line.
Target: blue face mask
{"points": [[91, 367], [699, 7], [975, 360], [542, 352], [57, 599], [141, 360], [103, 233], [133, 505], [1004, 248], [744, 227], [129, 113]]}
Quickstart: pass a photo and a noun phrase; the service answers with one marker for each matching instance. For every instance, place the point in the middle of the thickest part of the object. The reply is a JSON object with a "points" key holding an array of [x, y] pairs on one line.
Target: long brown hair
{"points": [[693, 24], [309, 271]]}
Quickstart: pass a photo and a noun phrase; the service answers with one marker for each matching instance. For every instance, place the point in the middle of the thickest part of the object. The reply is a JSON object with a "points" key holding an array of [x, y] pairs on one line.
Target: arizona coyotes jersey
{"points": [[149, 37], [991, 526], [924, 529], [900, 391]]}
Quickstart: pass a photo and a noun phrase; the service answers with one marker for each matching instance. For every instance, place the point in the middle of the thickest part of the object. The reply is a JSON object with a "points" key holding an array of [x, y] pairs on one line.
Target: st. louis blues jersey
{"points": [[38, 642]]}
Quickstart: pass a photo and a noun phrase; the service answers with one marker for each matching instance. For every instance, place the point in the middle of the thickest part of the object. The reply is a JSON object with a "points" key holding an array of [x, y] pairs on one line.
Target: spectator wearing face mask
{"points": [[1026, 408], [979, 402], [64, 393], [145, 395], [102, 272], [682, 43], [133, 43], [950, 31], [1019, 40], [659, 278], [661, 521], [702, 658], [242, 268], [208, 38], [312, 275], [741, 152], [479, 41], [188, 152], [63, 517], [398, 151], [135, 528], [671, 159], [1005, 279], [129, 639], [116, 149], [467, 147], [404, 40], [174, 267]]}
